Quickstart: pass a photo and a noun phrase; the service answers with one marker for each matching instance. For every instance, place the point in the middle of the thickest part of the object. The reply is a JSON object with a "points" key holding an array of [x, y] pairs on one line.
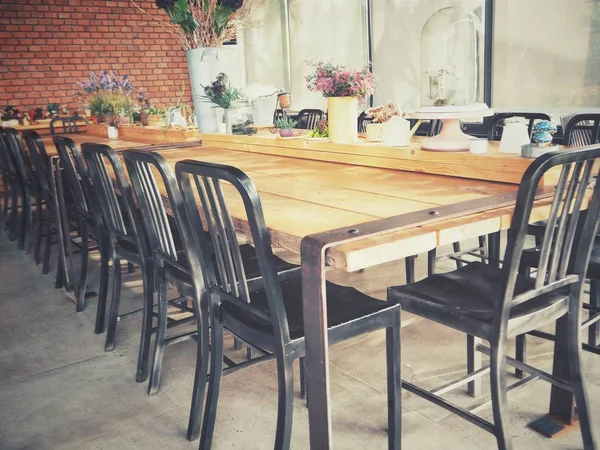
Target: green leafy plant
{"points": [[245, 128], [221, 93], [321, 130], [203, 23], [286, 122]]}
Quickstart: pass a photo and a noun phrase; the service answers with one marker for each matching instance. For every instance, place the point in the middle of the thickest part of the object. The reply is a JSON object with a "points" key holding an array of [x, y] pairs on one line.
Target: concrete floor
{"points": [[60, 390]]}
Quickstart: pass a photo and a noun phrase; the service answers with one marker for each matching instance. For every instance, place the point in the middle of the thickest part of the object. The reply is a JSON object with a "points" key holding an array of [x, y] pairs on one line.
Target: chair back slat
{"points": [[363, 120], [152, 206], [199, 181], [20, 159], [75, 172], [308, 118], [97, 157], [68, 125], [581, 129], [566, 245], [39, 158]]}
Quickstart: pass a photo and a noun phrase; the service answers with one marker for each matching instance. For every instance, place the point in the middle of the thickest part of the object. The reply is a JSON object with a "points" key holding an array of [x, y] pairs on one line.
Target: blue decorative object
{"points": [[542, 133]]}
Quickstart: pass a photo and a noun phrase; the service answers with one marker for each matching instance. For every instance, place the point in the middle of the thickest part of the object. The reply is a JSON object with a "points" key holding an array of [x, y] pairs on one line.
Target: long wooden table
{"points": [[348, 216]]}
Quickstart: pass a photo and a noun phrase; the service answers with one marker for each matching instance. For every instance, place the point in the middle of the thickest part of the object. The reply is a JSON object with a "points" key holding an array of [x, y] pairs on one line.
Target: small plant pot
{"points": [[113, 132], [286, 132]]}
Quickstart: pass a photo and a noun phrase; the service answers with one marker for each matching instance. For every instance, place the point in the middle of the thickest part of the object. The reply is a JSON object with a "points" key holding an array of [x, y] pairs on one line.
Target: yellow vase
{"points": [[342, 116]]}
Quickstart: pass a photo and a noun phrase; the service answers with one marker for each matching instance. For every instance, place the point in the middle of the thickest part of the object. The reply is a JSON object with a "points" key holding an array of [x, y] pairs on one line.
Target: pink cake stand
{"points": [[451, 138]]}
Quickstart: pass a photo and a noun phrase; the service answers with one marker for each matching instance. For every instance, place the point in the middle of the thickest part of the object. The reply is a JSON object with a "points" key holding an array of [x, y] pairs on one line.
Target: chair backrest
{"points": [[146, 170], [19, 157], [363, 120], [496, 123], [68, 125], [119, 211], [204, 187], [581, 129], [39, 159], [76, 173], [308, 118], [566, 245], [7, 165]]}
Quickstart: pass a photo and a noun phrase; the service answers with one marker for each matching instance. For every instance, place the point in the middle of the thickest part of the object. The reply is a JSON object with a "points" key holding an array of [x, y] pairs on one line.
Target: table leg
{"points": [[317, 349], [561, 417]]}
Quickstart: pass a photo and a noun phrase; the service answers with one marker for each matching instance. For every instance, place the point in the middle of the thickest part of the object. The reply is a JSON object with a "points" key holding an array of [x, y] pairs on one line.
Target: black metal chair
{"points": [[496, 123], [68, 125], [40, 164], [30, 195], [308, 118], [91, 226], [127, 241], [492, 303], [363, 120], [427, 128], [13, 188], [582, 129], [265, 312], [169, 247]]}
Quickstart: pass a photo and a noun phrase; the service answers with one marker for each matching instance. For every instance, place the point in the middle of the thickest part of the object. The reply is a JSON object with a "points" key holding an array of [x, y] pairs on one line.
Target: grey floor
{"points": [[60, 390]]}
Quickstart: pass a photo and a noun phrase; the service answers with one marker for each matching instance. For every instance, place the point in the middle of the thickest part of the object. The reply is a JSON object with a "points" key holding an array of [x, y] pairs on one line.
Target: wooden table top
{"points": [[302, 197], [84, 137]]}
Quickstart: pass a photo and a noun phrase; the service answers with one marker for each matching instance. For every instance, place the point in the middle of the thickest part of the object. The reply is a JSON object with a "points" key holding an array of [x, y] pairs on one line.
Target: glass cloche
{"points": [[452, 59]]}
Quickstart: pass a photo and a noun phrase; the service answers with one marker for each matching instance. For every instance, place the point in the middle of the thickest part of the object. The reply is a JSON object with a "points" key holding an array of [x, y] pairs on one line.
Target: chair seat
{"points": [[181, 277], [343, 305], [466, 298]]}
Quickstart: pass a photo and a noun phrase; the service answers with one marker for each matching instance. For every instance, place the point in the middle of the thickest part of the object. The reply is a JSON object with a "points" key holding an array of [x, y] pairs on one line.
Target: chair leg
{"points": [[105, 252], [60, 272], [409, 263], [81, 285], [431, 260], [14, 215], [23, 230], [578, 382], [214, 382], [47, 245], [494, 248], [521, 353], [161, 332], [147, 319], [499, 397], [302, 377], [113, 315], [456, 249], [394, 384], [594, 329], [482, 247], [285, 410], [38, 234], [473, 364]]}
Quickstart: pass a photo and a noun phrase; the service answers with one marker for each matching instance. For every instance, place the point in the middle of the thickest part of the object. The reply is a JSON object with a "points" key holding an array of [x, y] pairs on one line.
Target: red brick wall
{"points": [[46, 45]]}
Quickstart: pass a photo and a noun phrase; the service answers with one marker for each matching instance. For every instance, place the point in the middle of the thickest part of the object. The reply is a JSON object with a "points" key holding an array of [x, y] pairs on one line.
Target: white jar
{"points": [[514, 135]]}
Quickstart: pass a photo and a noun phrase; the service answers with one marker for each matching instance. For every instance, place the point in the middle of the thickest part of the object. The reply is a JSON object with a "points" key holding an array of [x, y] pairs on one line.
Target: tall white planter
{"points": [[203, 66]]}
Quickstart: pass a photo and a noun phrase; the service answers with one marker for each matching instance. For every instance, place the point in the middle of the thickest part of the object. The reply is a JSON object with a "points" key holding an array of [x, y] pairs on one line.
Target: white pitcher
{"points": [[396, 132], [513, 136]]}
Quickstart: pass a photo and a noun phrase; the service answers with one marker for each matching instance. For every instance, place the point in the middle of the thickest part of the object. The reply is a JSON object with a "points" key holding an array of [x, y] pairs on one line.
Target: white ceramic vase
{"points": [[514, 135], [342, 117], [203, 66], [113, 133]]}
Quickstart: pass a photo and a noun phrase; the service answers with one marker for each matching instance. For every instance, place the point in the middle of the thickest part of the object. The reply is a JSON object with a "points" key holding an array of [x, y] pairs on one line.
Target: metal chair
{"points": [[169, 247], [308, 118], [46, 212], [496, 123], [30, 195], [582, 129], [265, 312], [91, 226], [363, 121], [427, 128], [13, 188], [492, 303], [69, 125]]}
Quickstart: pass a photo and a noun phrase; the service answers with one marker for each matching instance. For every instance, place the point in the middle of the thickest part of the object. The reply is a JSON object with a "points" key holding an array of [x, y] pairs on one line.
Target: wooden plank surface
{"points": [[302, 197], [152, 135], [492, 166], [79, 139]]}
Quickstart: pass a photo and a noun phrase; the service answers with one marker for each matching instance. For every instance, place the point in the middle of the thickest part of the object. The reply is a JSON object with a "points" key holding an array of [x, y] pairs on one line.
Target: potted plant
{"points": [[113, 120], [202, 27], [106, 94], [541, 135], [286, 126], [321, 130], [222, 94], [344, 89]]}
